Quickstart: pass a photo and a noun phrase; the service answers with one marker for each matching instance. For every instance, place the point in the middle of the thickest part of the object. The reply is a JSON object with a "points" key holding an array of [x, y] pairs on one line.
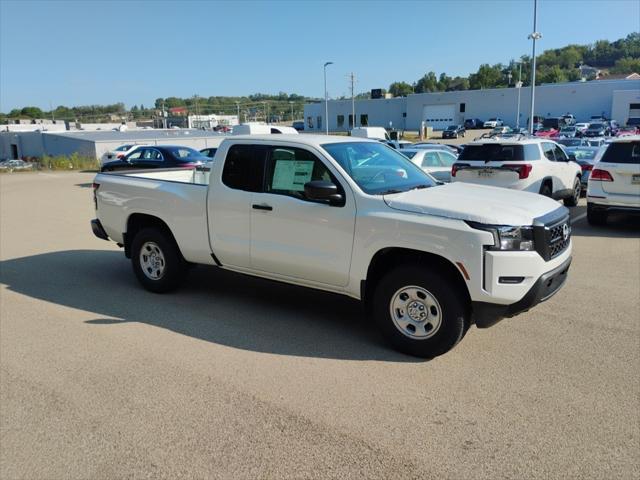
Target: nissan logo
{"points": [[566, 231]]}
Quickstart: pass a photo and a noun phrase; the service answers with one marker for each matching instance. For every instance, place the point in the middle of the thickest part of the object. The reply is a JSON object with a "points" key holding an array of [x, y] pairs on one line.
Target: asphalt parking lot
{"points": [[235, 377]]}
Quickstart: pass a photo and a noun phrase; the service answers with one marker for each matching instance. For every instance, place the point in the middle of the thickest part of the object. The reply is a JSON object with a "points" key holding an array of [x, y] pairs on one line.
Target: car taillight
{"points": [[523, 170], [96, 186], [457, 166], [600, 175], [586, 168], [120, 155]]}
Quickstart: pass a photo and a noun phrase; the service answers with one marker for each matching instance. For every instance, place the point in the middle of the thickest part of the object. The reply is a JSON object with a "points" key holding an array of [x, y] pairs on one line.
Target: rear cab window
{"points": [[495, 152], [244, 167], [622, 152]]}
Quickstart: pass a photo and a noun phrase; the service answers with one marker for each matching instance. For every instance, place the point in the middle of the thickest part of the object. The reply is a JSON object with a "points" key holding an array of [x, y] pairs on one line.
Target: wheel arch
{"points": [[386, 259], [139, 221], [546, 181]]}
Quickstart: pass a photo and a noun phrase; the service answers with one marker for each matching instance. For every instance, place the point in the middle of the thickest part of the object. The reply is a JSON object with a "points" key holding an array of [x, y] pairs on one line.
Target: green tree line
{"points": [[553, 66]]}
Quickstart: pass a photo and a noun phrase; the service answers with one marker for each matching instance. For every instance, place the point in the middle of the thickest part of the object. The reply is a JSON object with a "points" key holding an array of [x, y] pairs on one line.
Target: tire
{"points": [[156, 260], [545, 190], [429, 294], [596, 217], [573, 200]]}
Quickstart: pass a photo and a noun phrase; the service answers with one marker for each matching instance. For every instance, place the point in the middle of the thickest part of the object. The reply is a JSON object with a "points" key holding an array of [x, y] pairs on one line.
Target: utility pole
{"points": [[326, 99], [353, 101], [519, 87], [291, 103], [533, 36], [164, 116], [238, 110], [197, 111]]}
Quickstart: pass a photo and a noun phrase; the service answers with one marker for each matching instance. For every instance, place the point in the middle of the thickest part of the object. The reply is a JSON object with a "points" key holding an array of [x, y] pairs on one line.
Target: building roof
{"points": [[620, 76], [138, 135]]}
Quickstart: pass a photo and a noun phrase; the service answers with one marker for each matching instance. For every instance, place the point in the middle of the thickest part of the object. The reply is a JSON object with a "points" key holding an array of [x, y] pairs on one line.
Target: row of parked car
{"points": [[15, 165]]}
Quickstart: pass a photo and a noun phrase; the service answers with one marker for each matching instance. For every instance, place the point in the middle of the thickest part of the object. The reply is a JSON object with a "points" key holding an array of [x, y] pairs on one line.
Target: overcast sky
{"points": [[78, 53]]}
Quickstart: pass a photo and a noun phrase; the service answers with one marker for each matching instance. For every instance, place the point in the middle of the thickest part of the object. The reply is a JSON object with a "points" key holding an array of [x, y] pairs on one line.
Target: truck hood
{"points": [[475, 203]]}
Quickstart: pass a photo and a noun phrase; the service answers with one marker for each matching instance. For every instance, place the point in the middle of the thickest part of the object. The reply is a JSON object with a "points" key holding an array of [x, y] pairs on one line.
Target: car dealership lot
{"points": [[240, 377]]}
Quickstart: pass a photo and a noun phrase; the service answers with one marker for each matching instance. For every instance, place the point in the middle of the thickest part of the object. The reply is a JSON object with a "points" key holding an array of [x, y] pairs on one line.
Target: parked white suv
{"points": [[614, 183], [493, 123], [530, 164]]}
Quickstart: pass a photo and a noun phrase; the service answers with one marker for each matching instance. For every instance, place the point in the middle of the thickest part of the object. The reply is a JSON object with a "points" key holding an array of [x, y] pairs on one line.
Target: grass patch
{"points": [[72, 162]]}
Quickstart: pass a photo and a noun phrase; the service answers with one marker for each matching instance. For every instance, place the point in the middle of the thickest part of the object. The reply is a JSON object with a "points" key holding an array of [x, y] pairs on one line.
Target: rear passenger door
{"points": [[229, 204], [567, 171], [293, 236], [548, 150]]}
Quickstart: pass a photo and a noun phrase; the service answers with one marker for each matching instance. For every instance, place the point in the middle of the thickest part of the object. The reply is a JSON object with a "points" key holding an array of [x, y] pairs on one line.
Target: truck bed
{"points": [[179, 196]]}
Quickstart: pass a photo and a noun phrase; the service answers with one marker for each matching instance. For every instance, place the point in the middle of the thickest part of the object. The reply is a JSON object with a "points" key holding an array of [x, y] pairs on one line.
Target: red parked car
{"points": [[626, 131], [547, 132]]}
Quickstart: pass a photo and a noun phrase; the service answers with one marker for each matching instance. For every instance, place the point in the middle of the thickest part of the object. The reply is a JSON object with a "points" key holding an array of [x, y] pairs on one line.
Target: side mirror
{"points": [[572, 158], [324, 191]]}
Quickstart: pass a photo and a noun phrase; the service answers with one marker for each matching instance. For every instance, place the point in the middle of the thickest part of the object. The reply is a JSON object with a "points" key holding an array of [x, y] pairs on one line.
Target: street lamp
{"points": [[519, 87], [326, 99], [534, 36]]}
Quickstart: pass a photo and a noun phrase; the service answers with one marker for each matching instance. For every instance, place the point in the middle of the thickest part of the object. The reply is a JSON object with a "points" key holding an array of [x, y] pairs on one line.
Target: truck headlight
{"points": [[508, 238]]}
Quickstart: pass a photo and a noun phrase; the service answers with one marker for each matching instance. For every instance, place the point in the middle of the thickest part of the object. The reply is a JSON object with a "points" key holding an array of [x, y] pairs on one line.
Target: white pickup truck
{"points": [[350, 216]]}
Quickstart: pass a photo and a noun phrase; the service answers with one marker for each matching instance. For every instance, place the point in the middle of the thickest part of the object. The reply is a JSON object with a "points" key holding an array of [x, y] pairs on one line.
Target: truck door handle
{"points": [[262, 207]]}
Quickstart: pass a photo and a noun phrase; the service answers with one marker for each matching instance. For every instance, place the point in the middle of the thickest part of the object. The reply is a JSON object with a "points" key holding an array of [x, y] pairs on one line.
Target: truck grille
{"points": [[552, 234]]}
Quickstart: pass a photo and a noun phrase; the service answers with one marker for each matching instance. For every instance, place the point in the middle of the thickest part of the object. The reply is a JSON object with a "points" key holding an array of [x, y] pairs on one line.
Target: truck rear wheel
{"points": [[420, 312], [156, 260]]}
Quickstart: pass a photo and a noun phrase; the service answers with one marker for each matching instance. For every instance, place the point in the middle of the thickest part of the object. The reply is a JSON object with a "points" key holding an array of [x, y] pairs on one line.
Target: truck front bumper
{"points": [[98, 230], [487, 314]]}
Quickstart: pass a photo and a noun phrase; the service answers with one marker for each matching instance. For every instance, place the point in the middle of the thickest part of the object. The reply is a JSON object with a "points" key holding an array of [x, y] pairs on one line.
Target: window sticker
{"points": [[292, 175]]}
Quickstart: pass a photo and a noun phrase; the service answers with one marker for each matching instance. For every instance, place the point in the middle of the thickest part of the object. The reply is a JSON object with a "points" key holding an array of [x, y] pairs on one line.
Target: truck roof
{"points": [[304, 139]]}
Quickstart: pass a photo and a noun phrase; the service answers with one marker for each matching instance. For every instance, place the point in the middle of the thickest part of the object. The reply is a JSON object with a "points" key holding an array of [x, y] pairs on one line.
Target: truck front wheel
{"points": [[420, 312], [156, 261]]}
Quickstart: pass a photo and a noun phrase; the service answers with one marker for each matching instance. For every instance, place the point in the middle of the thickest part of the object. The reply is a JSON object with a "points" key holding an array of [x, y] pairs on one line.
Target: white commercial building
{"points": [[615, 99], [95, 143]]}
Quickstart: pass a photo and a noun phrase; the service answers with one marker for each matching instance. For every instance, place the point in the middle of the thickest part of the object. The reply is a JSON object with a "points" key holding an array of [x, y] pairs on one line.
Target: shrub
{"points": [[72, 162]]}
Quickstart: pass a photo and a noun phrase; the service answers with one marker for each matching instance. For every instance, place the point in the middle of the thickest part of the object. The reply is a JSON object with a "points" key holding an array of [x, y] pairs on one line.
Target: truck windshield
{"points": [[489, 152], [378, 169]]}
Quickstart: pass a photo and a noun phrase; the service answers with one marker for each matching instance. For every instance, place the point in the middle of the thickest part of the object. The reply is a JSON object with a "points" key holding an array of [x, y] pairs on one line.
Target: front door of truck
{"points": [[293, 236]]}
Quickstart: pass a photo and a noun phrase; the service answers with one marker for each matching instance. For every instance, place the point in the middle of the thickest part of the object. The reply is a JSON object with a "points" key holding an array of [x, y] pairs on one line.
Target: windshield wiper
{"points": [[395, 190]]}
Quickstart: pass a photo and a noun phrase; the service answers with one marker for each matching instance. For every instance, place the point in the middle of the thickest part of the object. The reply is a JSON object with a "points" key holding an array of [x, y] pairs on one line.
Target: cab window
{"points": [[290, 168]]}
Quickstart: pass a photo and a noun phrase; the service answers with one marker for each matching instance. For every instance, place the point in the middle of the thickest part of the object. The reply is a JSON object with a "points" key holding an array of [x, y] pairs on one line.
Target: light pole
{"points": [[519, 87], [534, 36], [326, 99], [238, 110]]}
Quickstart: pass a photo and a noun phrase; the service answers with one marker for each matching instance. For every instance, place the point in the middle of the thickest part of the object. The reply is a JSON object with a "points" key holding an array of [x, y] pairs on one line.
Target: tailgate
{"points": [[491, 173], [622, 161], [626, 178]]}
